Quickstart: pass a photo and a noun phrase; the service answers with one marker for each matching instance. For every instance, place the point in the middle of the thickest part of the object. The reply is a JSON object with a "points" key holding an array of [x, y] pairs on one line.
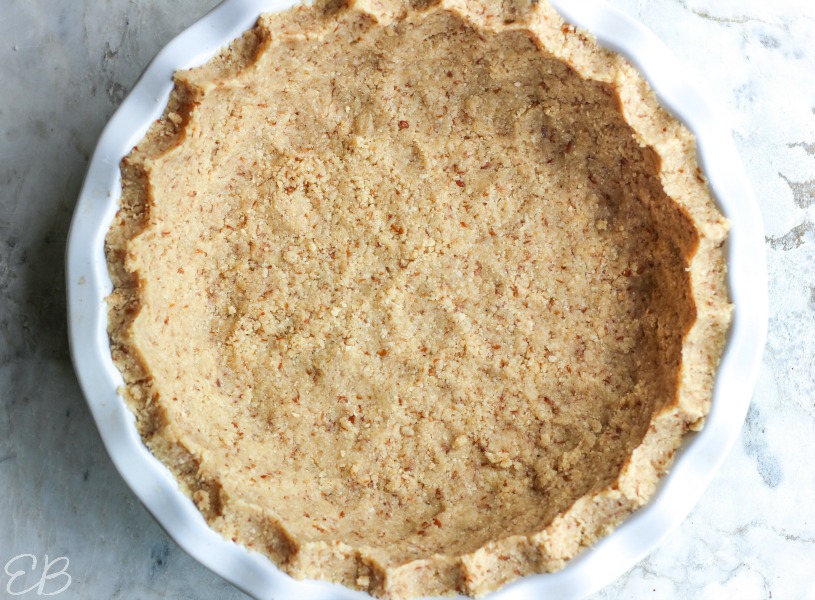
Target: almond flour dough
{"points": [[418, 297]]}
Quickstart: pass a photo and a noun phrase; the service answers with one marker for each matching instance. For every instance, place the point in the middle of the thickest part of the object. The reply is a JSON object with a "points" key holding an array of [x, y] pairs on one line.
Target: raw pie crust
{"points": [[419, 297]]}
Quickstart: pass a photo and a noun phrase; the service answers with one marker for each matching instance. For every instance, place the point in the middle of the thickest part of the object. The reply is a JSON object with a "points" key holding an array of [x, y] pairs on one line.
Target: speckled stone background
{"points": [[64, 68]]}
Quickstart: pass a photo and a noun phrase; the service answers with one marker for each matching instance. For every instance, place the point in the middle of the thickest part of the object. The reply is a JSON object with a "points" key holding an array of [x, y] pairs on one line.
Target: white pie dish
{"points": [[88, 284]]}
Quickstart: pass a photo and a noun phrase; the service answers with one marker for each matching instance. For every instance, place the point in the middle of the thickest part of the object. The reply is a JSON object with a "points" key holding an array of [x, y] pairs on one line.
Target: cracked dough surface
{"points": [[418, 298]]}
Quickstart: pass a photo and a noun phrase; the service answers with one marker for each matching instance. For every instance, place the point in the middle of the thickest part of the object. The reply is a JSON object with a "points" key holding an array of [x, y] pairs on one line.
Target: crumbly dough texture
{"points": [[418, 297]]}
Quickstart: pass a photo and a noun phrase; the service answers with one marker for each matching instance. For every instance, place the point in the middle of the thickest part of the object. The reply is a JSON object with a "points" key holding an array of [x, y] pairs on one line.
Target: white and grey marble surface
{"points": [[64, 68]]}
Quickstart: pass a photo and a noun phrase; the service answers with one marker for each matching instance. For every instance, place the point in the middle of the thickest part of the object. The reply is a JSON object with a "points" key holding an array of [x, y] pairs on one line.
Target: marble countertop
{"points": [[67, 65]]}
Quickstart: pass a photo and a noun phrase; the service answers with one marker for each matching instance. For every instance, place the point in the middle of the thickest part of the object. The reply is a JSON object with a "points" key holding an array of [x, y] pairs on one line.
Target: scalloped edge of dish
{"points": [[696, 463]]}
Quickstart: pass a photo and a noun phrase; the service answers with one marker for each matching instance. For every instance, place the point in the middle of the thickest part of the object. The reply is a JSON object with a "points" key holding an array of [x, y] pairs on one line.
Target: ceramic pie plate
{"points": [[697, 461]]}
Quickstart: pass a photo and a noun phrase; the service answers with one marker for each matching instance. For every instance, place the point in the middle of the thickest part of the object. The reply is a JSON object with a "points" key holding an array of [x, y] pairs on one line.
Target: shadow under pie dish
{"points": [[418, 298]]}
